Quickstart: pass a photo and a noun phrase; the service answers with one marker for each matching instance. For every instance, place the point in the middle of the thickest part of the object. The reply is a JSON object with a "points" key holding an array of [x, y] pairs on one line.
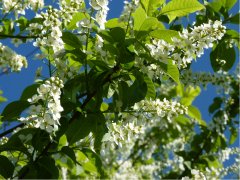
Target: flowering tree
{"points": [[118, 99]]}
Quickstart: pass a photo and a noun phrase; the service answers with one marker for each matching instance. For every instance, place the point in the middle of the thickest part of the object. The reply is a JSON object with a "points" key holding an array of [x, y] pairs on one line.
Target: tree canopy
{"points": [[117, 101]]}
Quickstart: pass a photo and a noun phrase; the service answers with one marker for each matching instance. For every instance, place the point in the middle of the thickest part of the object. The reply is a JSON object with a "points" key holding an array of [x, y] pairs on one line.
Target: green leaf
{"points": [[178, 8], [90, 167], [165, 35], [47, 168], [216, 5], [99, 130], [2, 99], [189, 94], [40, 139], [71, 40], [112, 23], [150, 23], [22, 21], [143, 24], [129, 95], [228, 4], [8, 27], [212, 161], [151, 5], [29, 92], [196, 114], [95, 159], [99, 65], [82, 126], [139, 17], [78, 129], [234, 19], [234, 35], [13, 110], [36, 20], [35, 137], [182, 120], [118, 34], [14, 144], [125, 56], [151, 91], [222, 52], [75, 56], [28, 172], [69, 152], [233, 135], [217, 102], [76, 18], [105, 34], [86, 163], [6, 167], [73, 86], [171, 70]]}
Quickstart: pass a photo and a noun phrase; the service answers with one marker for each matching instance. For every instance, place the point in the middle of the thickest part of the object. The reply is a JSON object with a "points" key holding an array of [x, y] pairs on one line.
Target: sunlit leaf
{"points": [[178, 8]]}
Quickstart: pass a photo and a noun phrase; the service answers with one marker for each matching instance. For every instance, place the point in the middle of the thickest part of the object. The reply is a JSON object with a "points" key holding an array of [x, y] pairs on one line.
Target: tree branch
{"points": [[18, 36], [11, 130]]}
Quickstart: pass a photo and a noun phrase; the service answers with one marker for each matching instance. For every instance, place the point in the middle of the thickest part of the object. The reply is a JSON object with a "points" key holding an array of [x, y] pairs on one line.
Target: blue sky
{"points": [[13, 84]]}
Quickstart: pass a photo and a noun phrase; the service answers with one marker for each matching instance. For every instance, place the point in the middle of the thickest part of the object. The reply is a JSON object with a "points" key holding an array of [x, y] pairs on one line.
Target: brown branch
{"points": [[18, 36]]}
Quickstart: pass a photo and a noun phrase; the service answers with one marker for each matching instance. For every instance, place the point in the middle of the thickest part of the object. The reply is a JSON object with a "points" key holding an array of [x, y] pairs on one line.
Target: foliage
{"points": [[118, 100]]}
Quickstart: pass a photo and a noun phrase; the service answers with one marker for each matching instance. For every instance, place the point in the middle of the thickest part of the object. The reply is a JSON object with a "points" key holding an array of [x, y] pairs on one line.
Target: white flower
{"points": [[8, 58], [189, 45], [47, 116], [101, 6], [84, 23], [19, 8]]}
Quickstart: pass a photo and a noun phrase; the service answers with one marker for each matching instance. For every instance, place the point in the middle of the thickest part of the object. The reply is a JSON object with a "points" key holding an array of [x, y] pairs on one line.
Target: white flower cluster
{"points": [[19, 6], [69, 8], [235, 167], [163, 108], [124, 132], [127, 131], [8, 58], [176, 162], [152, 70], [99, 47], [160, 50], [122, 136], [128, 171], [221, 79], [49, 32], [192, 43], [3, 140], [225, 153], [129, 7], [189, 45], [45, 110], [101, 6], [196, 175], [219, 123]]}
